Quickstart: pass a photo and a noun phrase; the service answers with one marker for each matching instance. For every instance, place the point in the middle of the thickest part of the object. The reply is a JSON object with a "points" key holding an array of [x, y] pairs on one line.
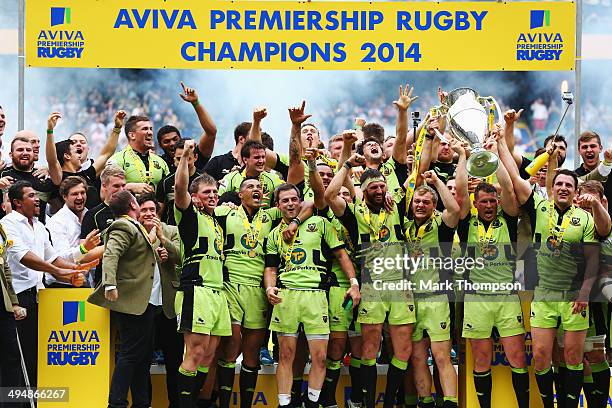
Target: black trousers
{"points": [[171, 343], [132, 368], [10, 365], [28, 332]]}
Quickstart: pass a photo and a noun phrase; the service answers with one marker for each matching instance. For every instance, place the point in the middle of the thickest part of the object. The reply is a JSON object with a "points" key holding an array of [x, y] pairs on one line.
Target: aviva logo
{"points": [[539, 18], [60, 15], [73, 312]]}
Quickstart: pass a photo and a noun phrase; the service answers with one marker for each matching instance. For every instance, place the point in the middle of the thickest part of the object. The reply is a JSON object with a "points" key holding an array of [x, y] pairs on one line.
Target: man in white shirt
{"points": [[65, 228], [30, 252]]}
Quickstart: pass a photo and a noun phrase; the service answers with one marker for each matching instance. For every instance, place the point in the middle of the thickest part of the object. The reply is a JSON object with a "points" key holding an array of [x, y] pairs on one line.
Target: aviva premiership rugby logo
{"points": [[60, 43], [539, 43]]}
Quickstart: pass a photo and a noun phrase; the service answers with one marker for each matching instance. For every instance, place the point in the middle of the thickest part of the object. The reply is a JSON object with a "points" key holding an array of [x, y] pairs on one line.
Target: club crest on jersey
{"points": [[324, 319], [156, 165], [311, 227], [583, 313], [298, 256], [443, 325], [411, 307], [496, 223], [429, 227], [384, 234], [490, 252], [519, 319], [386, 171], [264, 218], [575, 221]]}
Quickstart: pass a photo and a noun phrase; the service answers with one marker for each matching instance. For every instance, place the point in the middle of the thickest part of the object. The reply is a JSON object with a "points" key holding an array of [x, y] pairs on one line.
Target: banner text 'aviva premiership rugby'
{"points": [[301, 35]]}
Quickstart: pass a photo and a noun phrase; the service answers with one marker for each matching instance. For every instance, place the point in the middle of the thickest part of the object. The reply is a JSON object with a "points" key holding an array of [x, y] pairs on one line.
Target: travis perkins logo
{"points": [[73, 346], [537, 44], [60, 43]]}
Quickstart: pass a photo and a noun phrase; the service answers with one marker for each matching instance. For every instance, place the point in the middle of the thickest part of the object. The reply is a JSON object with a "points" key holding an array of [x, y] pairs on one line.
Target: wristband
{"points": [[312, 165], [296, 220], [428, 136], [83, 249], [195, 103], [117, 130], [347, 165], [354, 282], [49, 131]]}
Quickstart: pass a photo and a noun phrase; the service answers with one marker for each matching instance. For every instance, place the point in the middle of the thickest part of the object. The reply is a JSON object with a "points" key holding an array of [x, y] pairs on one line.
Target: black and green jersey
{"points": [[201, 248], [244, 240], [396, 175], [146, 168], [558, 239], [492, 242], [432, 241], [338, 277], [374, 234], [305, 263], [165, 194], [269, 181]]}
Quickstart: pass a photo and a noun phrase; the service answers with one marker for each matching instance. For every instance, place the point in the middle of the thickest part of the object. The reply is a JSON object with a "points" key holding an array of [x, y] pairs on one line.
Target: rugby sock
{"points": [[247, 383], [185, 384], [296, 392], [601, 382], [410, 401], [573, 384], [312, 398], [559, 376], [450, 402], [395, 378], [587, 385], [544, 379], [368, 381], [332, 374], [356, 391], [225, 378], [200, 379], [427, 402], [284, 400], [483, 385], [520, 383]]}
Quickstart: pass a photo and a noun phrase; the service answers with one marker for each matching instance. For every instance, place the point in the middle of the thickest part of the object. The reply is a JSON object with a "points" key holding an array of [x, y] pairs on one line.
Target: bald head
{"points": [[34, 140]]}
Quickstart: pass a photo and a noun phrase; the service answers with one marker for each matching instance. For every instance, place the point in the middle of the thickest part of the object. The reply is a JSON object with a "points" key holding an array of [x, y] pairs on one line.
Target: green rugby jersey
{"points": [[305, 264], [338, 277], [150, 169], [269, 182], [244, 246], [201, 248], [385, 228], [433, 240], [562, 267], [396, 175], [494, 245]]}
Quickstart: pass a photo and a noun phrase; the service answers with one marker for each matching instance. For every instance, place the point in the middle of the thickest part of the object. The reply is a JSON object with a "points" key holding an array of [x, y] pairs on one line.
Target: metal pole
{"points": [[21, 60], [578, 81]]}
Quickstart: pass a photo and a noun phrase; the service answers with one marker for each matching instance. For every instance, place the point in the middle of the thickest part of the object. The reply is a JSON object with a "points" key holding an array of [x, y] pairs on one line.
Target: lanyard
{"points": [[420, 231], [484, 239], [374, 228], [556, 234], [142, 228], [252, 233], [145, 175]]}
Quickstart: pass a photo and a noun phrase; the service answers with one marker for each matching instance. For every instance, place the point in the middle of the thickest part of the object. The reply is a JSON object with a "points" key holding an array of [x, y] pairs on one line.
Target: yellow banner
{"points": [[519, 36], [73, 349]]}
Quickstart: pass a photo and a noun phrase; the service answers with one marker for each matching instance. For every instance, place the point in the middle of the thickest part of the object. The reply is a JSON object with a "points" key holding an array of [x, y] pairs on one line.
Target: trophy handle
{"points": [[491, 101]]}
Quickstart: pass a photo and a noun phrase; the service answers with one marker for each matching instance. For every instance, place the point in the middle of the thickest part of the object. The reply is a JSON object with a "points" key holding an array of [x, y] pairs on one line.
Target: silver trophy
{"points": [[467, 116]]}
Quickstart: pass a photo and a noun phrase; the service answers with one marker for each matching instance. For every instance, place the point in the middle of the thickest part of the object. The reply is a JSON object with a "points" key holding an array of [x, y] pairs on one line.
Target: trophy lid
{"points": [[453, 95]]}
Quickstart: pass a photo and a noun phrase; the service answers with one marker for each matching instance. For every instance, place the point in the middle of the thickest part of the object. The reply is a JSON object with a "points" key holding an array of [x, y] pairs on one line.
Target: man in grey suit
{"points": [[128, 277]]}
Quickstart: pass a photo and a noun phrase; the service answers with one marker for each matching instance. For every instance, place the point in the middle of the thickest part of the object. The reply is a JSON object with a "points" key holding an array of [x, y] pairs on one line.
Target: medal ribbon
{"points": [[252, 233], [484, 239], [286, 255], [145, 175], [558, 235], [216, 227], [374, 229]]}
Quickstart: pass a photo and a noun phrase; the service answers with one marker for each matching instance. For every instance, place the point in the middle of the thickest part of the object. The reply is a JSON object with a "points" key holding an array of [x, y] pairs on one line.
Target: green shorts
{"points": [[340, 320], [301, 307], [248, 305], [546, 311], [381, 306], [433, 316], [202, 310], [483, 312]]}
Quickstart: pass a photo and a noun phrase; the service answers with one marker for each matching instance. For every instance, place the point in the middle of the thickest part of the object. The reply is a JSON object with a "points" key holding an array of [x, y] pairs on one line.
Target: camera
{"points": [[415, 115]]}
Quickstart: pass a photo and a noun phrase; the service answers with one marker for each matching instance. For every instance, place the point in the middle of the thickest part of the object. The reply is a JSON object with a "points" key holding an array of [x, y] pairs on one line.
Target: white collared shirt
{"points": [[65, 230], [156, 291], [26, 238]]}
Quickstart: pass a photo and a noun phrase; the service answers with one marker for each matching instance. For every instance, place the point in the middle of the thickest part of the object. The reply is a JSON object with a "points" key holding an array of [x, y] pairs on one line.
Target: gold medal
{"points": [[252, 253]]}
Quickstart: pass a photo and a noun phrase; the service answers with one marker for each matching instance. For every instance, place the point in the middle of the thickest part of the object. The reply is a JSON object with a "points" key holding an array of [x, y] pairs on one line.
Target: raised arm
{"points": [[259, 113], [182, 199], [450, 215], [335, 202], [206, 145], [511, 117], [522, 188], [111, 143], [55, 169], [508, 198], [401, 127], [316, 183], [461, 180], [296, 166], [551, 170]]}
